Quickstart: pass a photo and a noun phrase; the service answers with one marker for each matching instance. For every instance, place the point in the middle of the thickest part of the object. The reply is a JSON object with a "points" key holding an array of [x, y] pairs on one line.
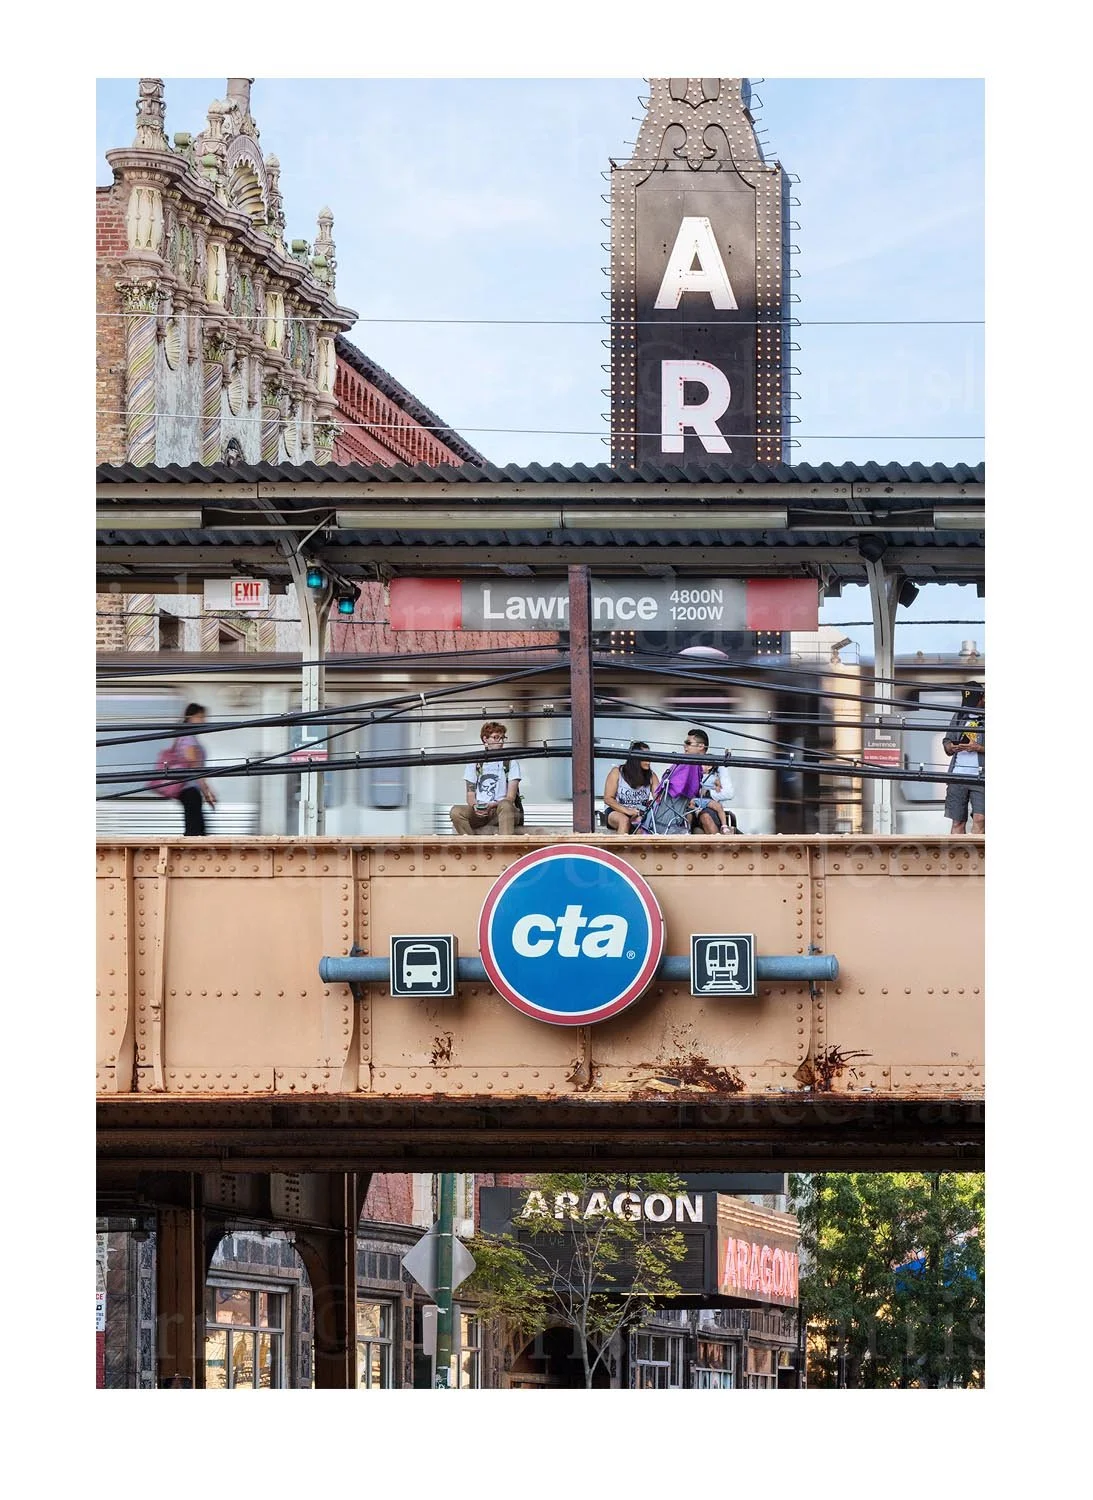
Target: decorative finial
{"points": [[276, 221], [323, 262], [150, 115], [213, 145]]}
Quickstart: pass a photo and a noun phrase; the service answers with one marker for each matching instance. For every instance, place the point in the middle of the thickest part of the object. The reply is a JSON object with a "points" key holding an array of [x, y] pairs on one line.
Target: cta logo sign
{"points": [[570, 935]]}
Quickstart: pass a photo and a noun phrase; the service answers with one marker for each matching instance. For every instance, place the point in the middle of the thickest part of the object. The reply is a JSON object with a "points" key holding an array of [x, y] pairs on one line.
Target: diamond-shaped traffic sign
{"points": [[421, 1261]]}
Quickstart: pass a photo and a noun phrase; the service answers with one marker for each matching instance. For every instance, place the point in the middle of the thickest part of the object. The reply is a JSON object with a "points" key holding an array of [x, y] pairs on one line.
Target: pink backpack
{"points": [[168, 760]]}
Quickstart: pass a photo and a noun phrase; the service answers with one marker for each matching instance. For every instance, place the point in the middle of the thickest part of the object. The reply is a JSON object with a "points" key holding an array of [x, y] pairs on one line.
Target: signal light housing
{"points": [[347, 596]]}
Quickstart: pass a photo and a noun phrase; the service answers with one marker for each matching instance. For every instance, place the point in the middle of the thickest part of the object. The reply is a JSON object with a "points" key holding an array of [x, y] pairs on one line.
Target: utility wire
{"points": [[409, 710], [795, 760], [659, 668], [603, 322], [324, 716], [659, 664], [139, 732], [379, 427]]}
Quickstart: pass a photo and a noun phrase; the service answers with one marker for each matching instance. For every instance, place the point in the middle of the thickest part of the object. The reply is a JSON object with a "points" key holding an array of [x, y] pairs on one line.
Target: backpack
{"points": [[167, 760], [517, 801]]}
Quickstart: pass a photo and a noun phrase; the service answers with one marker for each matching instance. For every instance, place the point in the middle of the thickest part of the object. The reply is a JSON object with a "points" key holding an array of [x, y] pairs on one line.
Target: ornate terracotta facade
{"points": [[218, 337], [211, 326]]}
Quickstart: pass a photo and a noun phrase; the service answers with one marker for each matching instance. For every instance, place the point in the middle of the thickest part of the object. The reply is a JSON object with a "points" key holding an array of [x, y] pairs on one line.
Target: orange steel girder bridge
{"points": [[220, 1047]]}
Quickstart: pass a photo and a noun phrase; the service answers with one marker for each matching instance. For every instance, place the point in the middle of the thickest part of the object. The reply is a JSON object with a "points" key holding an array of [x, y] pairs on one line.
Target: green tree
{"points": [[577, 1263], [892, 1277]]}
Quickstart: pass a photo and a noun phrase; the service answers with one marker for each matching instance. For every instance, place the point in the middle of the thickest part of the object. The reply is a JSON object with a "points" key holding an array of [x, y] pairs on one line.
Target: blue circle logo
{"points": [[570, 935]]}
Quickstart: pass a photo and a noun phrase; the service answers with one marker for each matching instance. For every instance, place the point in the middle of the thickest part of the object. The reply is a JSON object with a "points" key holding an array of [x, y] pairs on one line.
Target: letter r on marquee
{"points": [[702, 417]]}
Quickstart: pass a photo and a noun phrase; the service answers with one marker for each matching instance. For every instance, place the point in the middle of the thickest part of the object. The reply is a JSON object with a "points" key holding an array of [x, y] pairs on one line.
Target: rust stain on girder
{"points": [[819, 1072], [442, 1050], [692, 1072]]}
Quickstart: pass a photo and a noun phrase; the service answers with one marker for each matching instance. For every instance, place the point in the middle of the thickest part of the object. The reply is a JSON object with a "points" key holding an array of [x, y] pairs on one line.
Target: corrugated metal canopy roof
{"points": [[710, 472], [775, 520]]}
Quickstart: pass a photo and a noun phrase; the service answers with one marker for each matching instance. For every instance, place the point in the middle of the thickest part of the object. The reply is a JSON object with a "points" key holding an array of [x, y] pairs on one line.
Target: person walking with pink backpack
{"points": [[189, 756]]}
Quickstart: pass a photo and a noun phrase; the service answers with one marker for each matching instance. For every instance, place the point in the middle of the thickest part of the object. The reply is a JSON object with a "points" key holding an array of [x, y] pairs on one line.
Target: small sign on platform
{"points": [[423, 964], [722, 963]]}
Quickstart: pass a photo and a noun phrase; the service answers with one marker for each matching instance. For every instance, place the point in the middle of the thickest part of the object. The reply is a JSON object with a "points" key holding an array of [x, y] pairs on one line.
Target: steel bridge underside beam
{"points": [[794, 1132]]}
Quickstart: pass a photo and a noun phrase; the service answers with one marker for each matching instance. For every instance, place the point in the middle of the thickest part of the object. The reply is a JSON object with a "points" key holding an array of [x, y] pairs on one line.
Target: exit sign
{"points": [[249, 593], [236, 593]]}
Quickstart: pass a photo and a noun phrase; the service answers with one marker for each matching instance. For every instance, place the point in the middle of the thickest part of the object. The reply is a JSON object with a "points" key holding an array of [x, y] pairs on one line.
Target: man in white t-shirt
{"points": [[493, 788]]}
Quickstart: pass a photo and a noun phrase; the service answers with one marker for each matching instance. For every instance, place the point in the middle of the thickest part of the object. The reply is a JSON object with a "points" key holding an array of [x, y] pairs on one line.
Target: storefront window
{"points": [[658, 1362], [467, 1351], [244, 1339], [716, 1367], [374, 1342], [760, 1369]]}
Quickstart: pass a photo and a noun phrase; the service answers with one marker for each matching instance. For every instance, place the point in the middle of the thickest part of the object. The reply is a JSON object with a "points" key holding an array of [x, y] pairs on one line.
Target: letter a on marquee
{"points": [[695, 241]]}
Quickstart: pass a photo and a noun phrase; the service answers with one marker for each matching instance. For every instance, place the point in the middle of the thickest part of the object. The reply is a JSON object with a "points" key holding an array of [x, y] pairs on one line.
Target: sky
{"points": [[468, 220]]}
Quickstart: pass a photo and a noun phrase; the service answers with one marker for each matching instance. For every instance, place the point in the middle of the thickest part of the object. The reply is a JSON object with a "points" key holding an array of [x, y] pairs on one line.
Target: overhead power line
{"points": [[381, 427], [604, 322], [818, 763]]}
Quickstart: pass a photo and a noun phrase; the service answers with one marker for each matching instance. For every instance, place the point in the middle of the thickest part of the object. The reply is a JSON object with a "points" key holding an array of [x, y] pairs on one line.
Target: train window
{"points": [[551, 780], [371, 785], [922, 744], [120, 715], [386, 785], [339, 787]]}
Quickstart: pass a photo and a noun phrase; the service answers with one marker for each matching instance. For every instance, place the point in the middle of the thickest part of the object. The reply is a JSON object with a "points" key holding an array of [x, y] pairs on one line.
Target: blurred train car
{"points": [[779, 712]]}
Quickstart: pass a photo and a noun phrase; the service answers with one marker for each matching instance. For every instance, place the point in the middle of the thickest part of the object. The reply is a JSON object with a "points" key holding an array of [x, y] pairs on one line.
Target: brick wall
{"points": [[110, 245], [390, 1198], [110, 622]]}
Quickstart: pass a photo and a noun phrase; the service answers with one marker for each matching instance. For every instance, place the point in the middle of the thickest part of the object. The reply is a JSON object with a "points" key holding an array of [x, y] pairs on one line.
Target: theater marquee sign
{"points": [[698, 283], [756, 1253], [653, 1208]]}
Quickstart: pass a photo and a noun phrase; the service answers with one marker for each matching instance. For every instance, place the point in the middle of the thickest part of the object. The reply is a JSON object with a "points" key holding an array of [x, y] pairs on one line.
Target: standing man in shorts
{"points": [[964, 743]]}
